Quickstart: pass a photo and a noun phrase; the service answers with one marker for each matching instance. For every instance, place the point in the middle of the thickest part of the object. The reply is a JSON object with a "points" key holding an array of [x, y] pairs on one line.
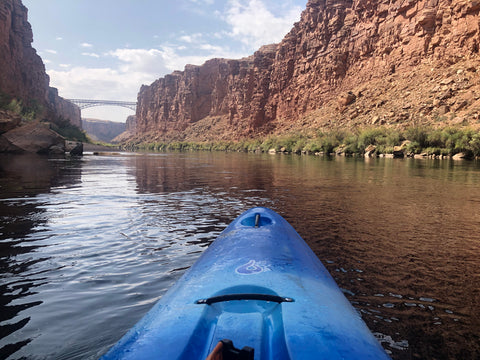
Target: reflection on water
{"points": [[88, 245]]}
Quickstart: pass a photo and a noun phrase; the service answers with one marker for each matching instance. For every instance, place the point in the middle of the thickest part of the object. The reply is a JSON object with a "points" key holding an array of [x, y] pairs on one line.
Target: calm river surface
{"points": [[88, 245]]}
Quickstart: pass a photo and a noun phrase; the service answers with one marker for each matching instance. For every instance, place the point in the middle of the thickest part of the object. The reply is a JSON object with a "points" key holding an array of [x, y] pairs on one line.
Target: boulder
{"points": [[461, 156], [346, 99], [56, 150], [8, 121], [35, 138], [370, 150], [398, 152], [75, 148], [7, 147]]}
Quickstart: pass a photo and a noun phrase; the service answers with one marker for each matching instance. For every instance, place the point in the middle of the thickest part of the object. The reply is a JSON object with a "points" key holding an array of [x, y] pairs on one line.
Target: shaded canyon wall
{"points": [[22, 74]]}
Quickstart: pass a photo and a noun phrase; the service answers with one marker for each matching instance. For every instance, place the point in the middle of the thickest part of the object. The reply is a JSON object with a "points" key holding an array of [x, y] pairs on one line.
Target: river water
{"points": [[88, 245]]}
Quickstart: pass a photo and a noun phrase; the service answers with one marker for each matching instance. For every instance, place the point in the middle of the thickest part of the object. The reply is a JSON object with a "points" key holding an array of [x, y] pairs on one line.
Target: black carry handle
{"points": [[232, 297]]}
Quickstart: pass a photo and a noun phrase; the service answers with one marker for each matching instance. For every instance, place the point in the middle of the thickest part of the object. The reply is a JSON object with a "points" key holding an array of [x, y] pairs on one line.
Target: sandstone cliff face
{"points": [[61, 108], [233, 89], [22, 74], [131, 123], [337, 46]]}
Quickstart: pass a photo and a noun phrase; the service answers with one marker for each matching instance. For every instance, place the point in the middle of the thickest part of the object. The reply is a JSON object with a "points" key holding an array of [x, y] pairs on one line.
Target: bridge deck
{"points": [[85, 103]]}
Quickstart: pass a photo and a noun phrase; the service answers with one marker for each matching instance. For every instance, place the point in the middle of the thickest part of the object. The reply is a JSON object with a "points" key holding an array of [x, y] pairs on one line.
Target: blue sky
{"points": [[106, 49]]}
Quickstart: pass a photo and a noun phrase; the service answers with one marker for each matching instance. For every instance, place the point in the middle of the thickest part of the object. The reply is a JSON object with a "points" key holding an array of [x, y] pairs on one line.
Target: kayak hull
{"points": [[259, 285]]}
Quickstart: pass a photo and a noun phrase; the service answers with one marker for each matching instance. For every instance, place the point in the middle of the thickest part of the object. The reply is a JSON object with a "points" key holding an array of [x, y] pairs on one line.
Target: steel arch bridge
{"points": [[83, 103]]}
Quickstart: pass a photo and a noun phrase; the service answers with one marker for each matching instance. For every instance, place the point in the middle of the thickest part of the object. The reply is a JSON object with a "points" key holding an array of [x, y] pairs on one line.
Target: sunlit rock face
{"points": [[336, 47], [22, 74]]}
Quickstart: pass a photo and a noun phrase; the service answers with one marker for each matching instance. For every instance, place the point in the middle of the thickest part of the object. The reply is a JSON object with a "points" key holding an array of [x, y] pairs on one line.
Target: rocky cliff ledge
{"points": [[345, 63], [22, 74]]}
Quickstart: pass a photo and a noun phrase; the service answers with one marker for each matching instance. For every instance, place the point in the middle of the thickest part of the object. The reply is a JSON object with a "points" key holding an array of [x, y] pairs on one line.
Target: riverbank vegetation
{"points": [[414, 140], [29, 112], [68, 130]]}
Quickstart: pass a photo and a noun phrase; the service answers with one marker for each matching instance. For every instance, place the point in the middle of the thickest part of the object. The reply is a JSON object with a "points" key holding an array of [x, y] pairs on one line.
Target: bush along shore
{"points": [[370, 142]]}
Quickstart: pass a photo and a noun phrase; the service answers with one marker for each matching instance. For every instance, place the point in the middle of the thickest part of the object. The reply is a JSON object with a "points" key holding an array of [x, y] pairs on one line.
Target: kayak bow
{"points": [[260, 286]]}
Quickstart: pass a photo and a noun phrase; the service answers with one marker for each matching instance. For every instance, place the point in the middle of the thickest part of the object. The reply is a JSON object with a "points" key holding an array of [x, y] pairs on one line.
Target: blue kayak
{"points": [[258, 288]]}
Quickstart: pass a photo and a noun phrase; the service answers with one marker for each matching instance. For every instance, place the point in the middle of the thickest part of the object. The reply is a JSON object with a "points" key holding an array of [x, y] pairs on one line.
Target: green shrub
{"points": [[474, 144], [269, 143], [68, 130], [371, 136], [418, 135], [299, 145], [15, 106], [312, 146]]}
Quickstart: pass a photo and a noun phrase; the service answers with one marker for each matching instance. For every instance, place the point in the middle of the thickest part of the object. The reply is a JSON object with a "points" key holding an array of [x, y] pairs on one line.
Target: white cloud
{"points": [[51, 51], [65, 65], [148, 61], [94, 55], [58, 38], [193, 38], [214, 49], [86, 45], [255, 25], [158, 62], [100, 83]]}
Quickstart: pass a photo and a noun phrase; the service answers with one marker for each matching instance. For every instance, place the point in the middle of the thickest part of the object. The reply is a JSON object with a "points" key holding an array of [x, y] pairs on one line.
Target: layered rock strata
{"points": [[336, 47]]}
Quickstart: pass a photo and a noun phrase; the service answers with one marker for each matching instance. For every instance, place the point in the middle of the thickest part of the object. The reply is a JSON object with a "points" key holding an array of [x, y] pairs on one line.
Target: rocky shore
{"points": [[17, 136]]}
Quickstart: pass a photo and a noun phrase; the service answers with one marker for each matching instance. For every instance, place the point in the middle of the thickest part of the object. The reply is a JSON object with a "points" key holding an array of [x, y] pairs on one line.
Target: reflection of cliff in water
{"points": [[22, 178], [29, 174], [167, 173]]}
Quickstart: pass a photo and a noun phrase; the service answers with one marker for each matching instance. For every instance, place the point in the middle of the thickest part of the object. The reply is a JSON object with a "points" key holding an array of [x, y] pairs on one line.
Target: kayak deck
{"points": [[261, 286]]}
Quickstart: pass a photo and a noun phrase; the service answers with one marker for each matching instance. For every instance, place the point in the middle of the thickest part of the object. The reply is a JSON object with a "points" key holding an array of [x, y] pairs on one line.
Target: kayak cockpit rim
{"points": [[256, 220]]}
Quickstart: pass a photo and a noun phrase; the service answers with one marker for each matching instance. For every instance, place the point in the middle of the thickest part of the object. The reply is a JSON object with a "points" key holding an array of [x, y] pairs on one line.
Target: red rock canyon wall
{"points": [[22, 72], [335, 46]]}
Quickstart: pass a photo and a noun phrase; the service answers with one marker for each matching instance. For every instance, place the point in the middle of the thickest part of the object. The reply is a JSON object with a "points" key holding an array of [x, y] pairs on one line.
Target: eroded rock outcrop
{"points": [[363, 47], [34, 138]]}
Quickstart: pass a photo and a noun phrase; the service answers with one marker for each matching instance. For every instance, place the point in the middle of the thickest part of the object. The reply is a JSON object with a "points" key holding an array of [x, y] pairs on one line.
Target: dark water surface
{"points": [[88, 245]]}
